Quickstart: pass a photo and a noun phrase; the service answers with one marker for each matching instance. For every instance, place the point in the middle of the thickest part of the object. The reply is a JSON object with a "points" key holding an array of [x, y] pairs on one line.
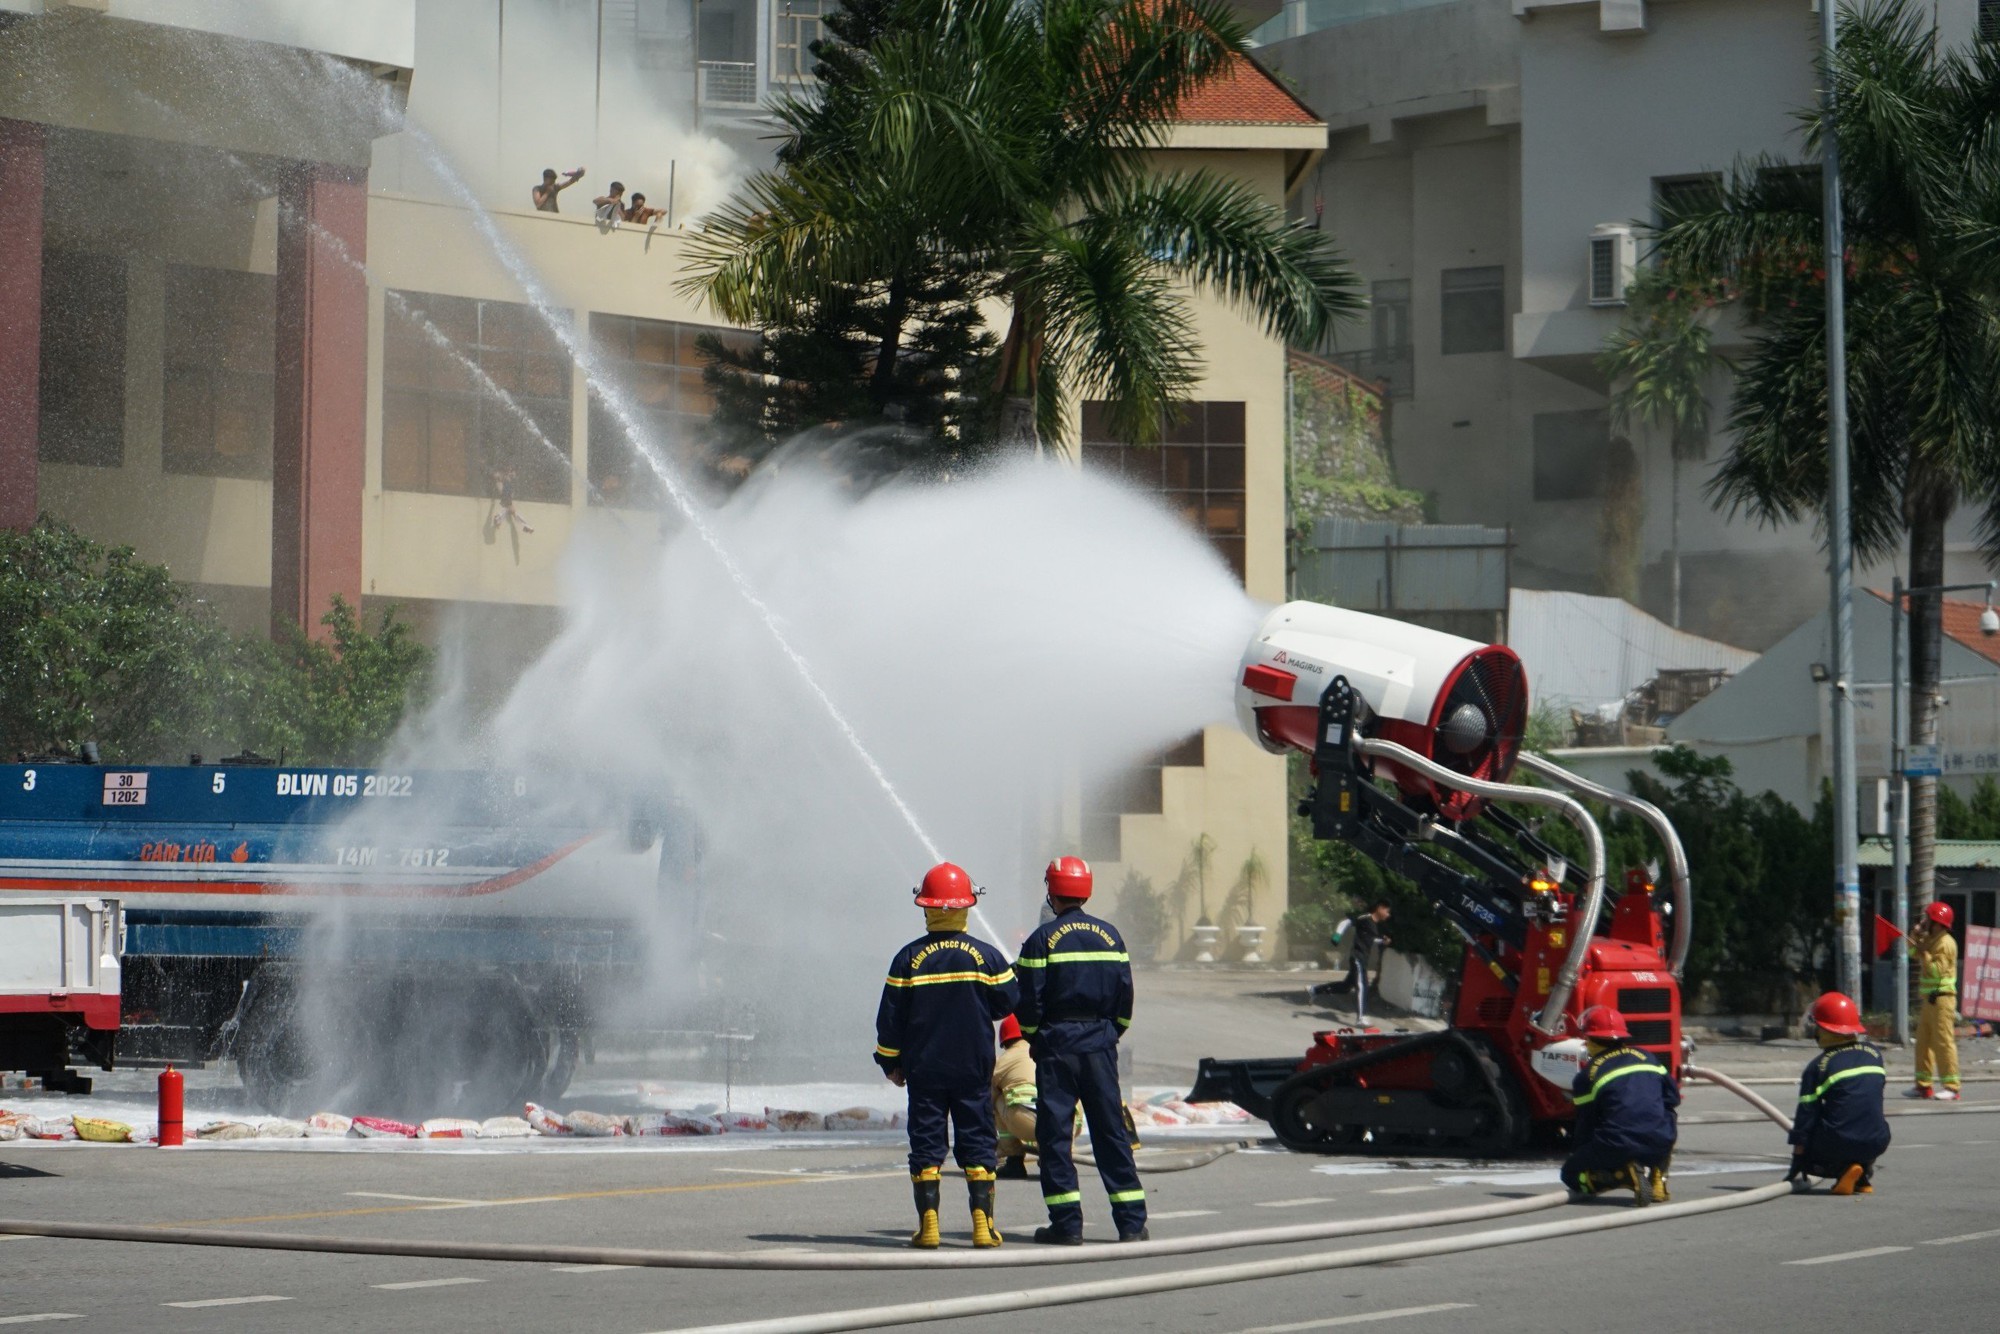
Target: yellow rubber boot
{"points": [[1658, 1181], [924, 1186], [979, 1187], [1849, 1179], [1635, 1177]]}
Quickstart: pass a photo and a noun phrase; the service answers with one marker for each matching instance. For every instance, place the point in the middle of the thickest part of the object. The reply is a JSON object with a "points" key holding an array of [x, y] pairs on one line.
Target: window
{"points": [[1989, 20], [657, 367], [220, 347], [494, 398], [1678, 196], [1572, 451], [795, 26], [1474, 309], [1389, 314], [82, 388], [1197, 468]]}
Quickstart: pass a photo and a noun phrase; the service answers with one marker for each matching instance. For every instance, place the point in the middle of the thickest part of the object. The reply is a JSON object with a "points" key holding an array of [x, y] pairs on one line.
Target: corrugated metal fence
{"points": [[1379, 566]]}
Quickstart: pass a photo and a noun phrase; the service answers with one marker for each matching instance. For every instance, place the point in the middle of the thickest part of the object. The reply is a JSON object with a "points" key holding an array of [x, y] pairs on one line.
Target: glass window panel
{"points": [[189, 420], [1186, 425], [686, 353], [451, 458], [611, 336], [1225, 467], [651, 386], [502, 324], [456, 317], [403, 451], [450, 372], [1107, 458], [1181, 467], [1093, 421], [1225, 514], [694, 395], [1231, 551], [1225, 424], [1474, 310], [652, 342], [503, 369], [545, 377]]}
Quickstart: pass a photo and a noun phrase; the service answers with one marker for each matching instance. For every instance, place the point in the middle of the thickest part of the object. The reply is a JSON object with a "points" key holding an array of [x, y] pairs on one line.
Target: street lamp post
{"points": [[1899, 788]]}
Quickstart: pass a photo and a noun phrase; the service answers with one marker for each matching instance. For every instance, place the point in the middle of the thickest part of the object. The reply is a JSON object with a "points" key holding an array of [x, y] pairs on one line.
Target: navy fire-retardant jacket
{"points": [[1625, 1101], [944, 993], [1076, 985], [1840, 1102]]}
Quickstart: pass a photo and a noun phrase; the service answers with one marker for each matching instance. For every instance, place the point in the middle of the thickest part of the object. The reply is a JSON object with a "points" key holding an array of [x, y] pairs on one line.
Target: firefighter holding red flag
{"points": [[1937, 982], [934, 1036]]}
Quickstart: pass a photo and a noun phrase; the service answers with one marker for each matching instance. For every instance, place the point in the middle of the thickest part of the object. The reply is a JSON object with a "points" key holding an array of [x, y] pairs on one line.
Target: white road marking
{"points": [[1968, 1236], [37, 1318], [419, 1199], [425, 1283], [1402, 1190], [589, 1269], [1849, 1255], [1180, 1213], [1294, 1204], [225, 1301], [1360, 1318]]}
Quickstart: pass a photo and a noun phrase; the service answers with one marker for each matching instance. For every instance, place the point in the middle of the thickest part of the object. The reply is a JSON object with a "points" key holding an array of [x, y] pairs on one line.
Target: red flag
{"points": [[1885, 935]]}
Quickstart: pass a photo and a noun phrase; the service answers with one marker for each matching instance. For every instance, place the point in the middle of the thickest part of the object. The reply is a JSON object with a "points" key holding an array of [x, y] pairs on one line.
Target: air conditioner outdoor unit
{"points": [[1613, 253]]}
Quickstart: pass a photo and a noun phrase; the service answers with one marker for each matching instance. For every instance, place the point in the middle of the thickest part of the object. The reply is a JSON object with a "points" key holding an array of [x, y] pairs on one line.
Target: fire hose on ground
{"points": [[1006, 1302]]}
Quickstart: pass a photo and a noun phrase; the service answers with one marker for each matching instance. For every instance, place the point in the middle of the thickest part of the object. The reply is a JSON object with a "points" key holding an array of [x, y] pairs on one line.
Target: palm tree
{"points": [[1011, 138], [1917, 124]]}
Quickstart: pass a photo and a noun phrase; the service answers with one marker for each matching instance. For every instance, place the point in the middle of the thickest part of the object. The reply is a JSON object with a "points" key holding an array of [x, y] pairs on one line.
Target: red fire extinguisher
{"points": [[171, 1087]]}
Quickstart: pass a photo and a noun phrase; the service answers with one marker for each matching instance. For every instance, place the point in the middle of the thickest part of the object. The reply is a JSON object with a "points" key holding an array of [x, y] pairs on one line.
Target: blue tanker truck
{"points": [[438, 940]]}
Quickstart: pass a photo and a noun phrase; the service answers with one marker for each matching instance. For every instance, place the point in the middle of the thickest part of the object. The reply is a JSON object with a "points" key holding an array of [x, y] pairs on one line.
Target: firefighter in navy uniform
{"points": [[1839, 1130], [934, 1036], [1625, 1124], [1076, 1002]]}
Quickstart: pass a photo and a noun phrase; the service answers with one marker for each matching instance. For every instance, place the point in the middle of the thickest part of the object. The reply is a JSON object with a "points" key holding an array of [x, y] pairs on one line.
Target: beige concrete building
{"points": [[1477, 147], [259, 342]]}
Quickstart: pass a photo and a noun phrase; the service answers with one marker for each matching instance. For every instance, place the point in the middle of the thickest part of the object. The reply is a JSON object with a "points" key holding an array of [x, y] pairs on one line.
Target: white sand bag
{"points": [[594, 1125], [328, 1125], [281, 1129], [546, 1122], [381, 1127], [505, 1127], [781, 1119], [448, 1127], [862, 1118], [217, 1131]]}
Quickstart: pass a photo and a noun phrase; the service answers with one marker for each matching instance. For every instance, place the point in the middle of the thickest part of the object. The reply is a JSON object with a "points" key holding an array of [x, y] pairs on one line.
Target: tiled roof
{"points": [[1244, 93], [1961, 622]]}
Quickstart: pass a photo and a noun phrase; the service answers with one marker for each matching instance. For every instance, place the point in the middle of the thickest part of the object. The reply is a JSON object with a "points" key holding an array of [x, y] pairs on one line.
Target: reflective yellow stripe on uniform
{"points": [[1621, 1072], [1127, 1196], [1831, 1080], [891, 1053], [1022, 1095], [1071, 1197], [935, 979]]}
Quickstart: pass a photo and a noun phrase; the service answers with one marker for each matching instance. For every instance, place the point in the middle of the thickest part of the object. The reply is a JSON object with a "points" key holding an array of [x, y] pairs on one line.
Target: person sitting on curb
{"points": [[1839, 1130], [1625, 1122]]}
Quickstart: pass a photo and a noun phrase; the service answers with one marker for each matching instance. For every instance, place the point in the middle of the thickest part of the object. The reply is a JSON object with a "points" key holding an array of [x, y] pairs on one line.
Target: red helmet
{"points": [[1010, 1029], [1068, 878], [1835, 1013], [945, 886], [1939, 912], [1603, 1023]]}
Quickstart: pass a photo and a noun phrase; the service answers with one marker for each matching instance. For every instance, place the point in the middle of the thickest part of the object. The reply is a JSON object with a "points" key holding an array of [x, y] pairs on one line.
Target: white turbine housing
{"points": [[1456, 701]]}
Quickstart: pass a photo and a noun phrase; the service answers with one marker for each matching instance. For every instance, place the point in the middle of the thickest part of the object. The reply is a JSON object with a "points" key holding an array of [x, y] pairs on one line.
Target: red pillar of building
{"points": [[20, 319], [318, 466]]}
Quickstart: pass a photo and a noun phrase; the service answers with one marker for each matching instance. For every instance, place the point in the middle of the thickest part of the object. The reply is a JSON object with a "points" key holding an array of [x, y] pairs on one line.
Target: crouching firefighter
{"points": [[1014, 1100], [1625, 1123], [1839, 1130], [1076, 1002], [934, 1036]]}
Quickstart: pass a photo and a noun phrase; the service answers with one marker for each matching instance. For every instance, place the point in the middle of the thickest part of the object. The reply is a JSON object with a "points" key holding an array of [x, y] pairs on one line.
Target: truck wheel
{"points": [[565, 1051], [1505, 1123]]}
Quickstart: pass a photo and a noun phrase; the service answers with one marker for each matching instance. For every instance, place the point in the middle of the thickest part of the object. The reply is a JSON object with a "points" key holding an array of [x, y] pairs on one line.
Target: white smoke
{"points": [[998, 644]]}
